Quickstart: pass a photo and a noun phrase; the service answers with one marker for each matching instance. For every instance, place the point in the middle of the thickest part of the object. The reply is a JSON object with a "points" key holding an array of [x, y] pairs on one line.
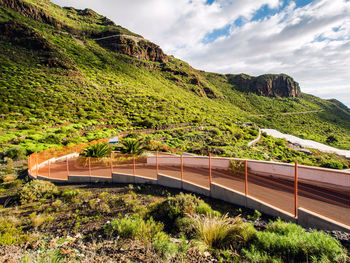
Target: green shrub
{"points": [[98, 150], [69, 194], [256, 216], [76, 196], [36, 190], [163, 246], [15, 153], [99, 205], [134, 227], [132, 146], [291, 242], [256, 256], [177, 207], [186, 225], [52, 255], [11, 233], [332, 164]]}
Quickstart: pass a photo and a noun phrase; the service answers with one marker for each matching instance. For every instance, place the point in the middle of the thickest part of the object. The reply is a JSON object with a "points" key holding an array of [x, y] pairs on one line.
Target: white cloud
{"points": [[310, 43]]}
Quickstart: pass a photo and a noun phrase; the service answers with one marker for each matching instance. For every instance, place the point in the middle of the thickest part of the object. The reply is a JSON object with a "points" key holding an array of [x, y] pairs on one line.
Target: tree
{"points": [[98, 150], [331, 139], [132, 146]]}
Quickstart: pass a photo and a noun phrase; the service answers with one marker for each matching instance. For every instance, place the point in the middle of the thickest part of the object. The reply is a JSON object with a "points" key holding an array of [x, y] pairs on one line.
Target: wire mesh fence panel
{"points": [[123, 163], [78, 166], [273, 184], [228, 173], [196, 170], [144, 167], [170, 165], [329, 196], [58, 169], [100, 167], [41, 163]]}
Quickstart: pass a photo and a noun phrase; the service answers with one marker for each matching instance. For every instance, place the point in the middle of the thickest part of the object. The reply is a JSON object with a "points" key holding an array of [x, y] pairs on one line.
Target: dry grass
{"points": [[217, 232]]}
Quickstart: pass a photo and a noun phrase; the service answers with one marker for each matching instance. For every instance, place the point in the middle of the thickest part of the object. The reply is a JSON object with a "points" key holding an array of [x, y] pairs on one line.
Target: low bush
{"points": [[292, 243], [163, 246], [11, 233], [186, 225], [98, 150], [36, 190], [76, 196], [332, 164], [179, 206], [99, 205], [256, 256], [134, 227]]}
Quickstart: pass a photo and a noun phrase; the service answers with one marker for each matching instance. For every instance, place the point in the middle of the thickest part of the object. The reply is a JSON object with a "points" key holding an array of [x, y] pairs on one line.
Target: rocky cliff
{"points": [[133, 46], [269, 85], [112, 37]]}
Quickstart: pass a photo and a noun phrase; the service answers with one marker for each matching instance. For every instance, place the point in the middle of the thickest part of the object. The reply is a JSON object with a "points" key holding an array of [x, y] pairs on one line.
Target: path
{"points": [[288, 113], [334, 204], [306, 143], [135, 38]]}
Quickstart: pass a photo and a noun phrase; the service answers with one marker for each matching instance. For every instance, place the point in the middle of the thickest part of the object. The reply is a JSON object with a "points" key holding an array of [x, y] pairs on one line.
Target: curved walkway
{"points": [[269, 183]]}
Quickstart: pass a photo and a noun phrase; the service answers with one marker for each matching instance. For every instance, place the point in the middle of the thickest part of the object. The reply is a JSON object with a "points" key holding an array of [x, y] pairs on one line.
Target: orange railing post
{"points": [[111, 162], [246, 177], [28, 163], [296, 190], [49, 168], [210, 179], [36, 163], [89, 160], [157, 167], [182, 167], [67, 166], [134, 165]]}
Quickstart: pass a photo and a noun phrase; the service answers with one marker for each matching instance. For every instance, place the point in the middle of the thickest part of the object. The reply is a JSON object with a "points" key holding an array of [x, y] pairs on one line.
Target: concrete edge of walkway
{"points": [[307, 218]]}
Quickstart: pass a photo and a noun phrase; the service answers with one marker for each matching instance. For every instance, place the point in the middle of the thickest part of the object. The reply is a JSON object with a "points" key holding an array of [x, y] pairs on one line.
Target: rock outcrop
{"points": [[31, 11], [270, 85], [133, 46]]}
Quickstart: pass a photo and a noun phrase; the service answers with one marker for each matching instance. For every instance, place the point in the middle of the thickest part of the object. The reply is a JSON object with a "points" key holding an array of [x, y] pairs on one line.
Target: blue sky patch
{"points": [[211, 37]]}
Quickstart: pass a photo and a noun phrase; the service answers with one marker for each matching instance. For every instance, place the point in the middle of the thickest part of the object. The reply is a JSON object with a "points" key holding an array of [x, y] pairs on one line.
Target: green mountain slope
{"points": [[70, 75]]}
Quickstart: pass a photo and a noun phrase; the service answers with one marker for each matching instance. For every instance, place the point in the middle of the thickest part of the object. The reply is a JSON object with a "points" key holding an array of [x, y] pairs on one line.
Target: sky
{"points": [[308, 40]]}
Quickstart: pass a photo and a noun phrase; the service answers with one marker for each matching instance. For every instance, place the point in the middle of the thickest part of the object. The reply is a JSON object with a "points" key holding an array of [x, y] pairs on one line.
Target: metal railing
{"points": [[285, 186]]}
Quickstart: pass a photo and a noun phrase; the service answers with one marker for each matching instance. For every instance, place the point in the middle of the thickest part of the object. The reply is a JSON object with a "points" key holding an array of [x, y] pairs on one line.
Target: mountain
{"points": [[71, 75]]}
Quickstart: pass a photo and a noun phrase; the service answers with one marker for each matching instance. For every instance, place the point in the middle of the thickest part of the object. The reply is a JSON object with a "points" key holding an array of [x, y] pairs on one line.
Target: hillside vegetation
{"points": [[148, 224], [69, 76]]}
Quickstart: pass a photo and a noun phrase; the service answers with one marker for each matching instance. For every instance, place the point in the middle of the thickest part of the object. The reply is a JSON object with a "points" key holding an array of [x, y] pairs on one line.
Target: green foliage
{"points": [[291, 242], [163, 246], [236, 166], [332, 164], [35, 190], [256, 216], [50, 255], [15, 153], [97, 150], [219, 232], [132, 146], [134, 227], [11, 233], [256, 256], [177, 207]]}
